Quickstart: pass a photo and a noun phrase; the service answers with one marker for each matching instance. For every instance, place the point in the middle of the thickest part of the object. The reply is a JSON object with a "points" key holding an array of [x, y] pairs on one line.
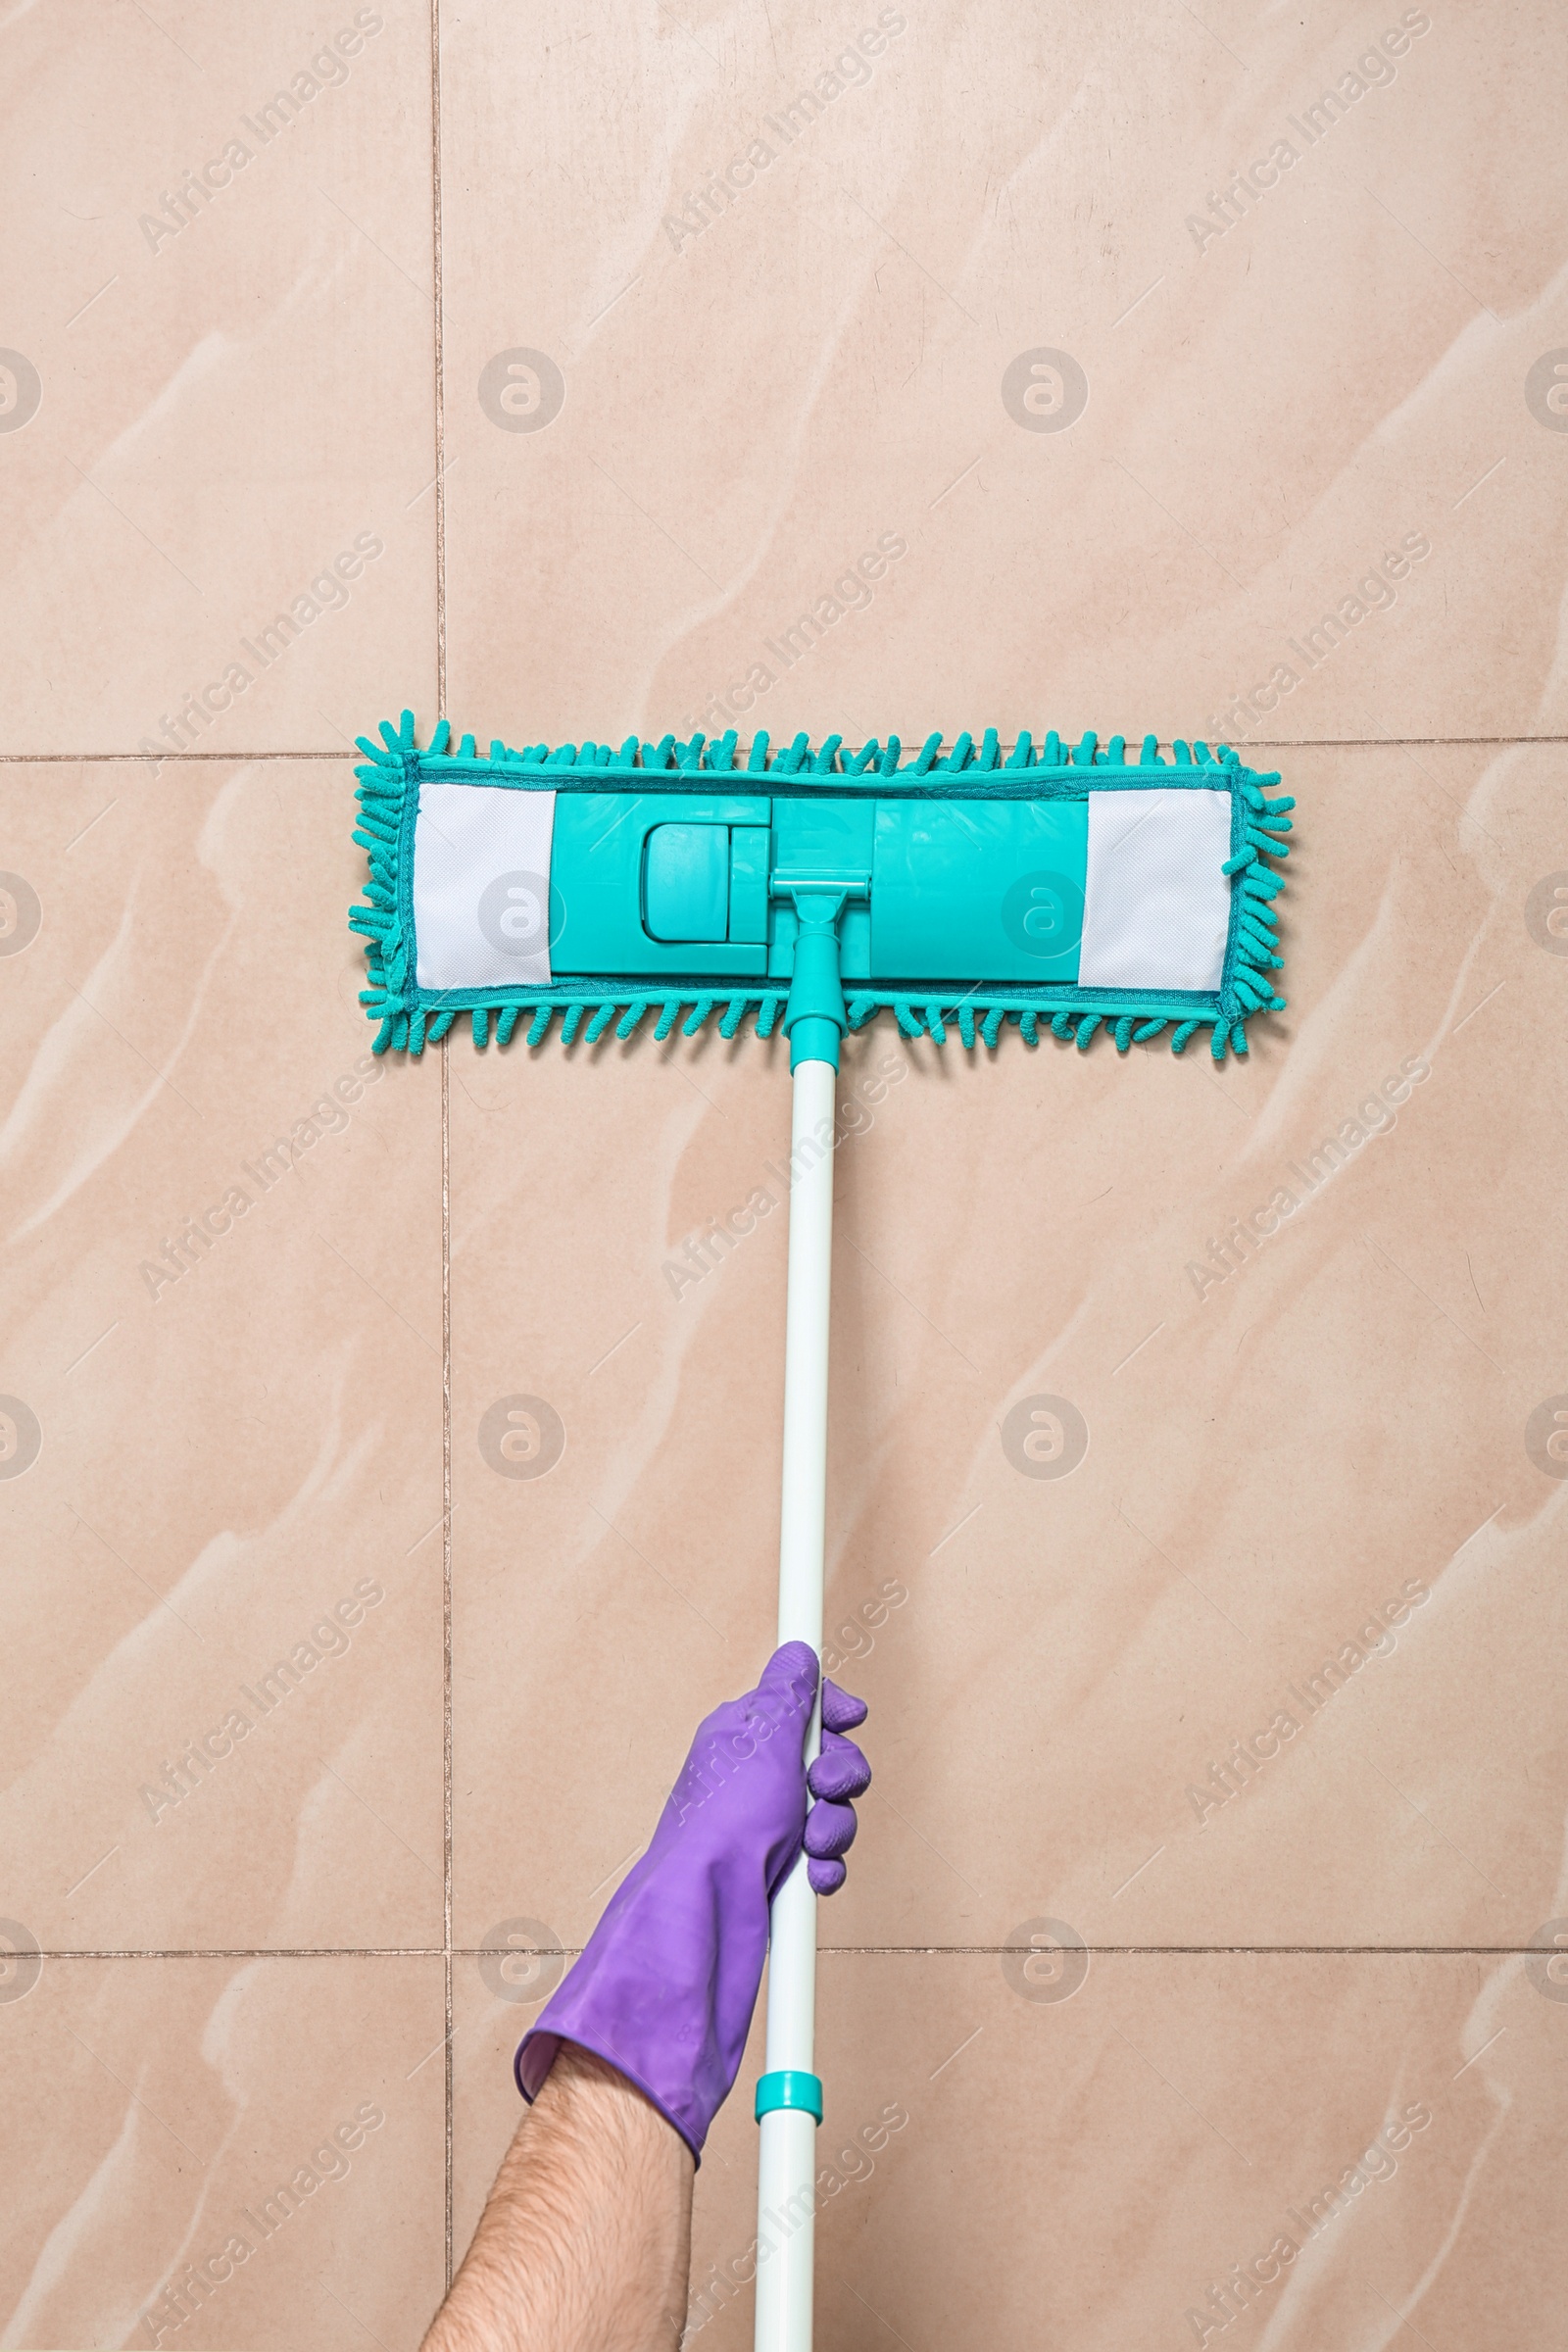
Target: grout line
{"points": [[335, 752], [1198, 1951], [439, 357], [236, 759], [229, 1951], [440, 408], [837, 1951], [446, 1612]]}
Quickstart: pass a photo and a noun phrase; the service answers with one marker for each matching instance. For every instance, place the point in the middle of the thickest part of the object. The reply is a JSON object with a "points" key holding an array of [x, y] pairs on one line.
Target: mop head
{"points": [[1068, 886]]}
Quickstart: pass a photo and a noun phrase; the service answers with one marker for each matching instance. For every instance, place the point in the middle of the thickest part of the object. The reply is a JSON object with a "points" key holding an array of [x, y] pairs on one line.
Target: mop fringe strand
{"points": [[407, 1018]]}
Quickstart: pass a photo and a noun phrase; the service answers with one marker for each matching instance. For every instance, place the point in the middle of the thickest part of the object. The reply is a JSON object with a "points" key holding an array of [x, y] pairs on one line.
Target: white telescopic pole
{"points": [[788, 2154]]}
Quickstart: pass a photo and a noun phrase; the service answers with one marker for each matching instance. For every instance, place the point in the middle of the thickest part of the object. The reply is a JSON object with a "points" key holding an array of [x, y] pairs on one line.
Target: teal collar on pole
{"points": [[789, 2087]]}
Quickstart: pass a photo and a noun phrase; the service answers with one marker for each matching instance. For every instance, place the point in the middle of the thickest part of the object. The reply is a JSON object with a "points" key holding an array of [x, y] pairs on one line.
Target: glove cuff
{"points": [[536, 2055]]}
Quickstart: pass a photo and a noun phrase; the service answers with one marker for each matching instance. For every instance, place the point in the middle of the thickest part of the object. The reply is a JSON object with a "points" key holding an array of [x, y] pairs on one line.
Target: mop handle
{"points": [[789, 2096]]}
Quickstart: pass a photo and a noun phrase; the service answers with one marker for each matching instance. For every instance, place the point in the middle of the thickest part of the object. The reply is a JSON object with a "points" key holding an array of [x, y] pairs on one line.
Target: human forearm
{"points": [[585, 2242], [593, 2166]]}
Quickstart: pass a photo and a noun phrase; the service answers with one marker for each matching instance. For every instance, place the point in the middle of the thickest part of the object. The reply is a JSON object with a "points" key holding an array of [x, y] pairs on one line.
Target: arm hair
{"points": [[585, 2242]]}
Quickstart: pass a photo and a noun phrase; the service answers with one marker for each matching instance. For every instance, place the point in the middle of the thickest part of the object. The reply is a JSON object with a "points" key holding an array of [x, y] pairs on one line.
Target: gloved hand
{"points": [[839, 1773], [666, 1985]]}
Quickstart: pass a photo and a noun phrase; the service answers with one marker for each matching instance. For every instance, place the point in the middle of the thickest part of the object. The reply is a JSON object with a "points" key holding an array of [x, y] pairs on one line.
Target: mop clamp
{"points": [[790, 2086], [814, 1013]]}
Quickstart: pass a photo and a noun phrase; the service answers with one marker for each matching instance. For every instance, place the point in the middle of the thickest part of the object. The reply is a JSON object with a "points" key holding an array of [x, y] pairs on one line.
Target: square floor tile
{"points": [[938, 369], [217, 411], [223, 1355], [208, 2151]]}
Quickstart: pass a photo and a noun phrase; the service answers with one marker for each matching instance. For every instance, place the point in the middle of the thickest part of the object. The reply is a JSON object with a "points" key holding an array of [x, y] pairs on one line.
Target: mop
{"points": [[1067, 886]]}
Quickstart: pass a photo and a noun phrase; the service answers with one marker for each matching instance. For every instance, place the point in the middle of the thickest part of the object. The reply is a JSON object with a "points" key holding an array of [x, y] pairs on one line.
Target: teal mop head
{"points": [[1065, 885]]}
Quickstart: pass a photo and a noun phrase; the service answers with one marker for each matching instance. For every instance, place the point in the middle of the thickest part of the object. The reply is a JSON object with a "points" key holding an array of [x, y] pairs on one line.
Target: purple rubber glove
{"points": [[839, 1773], [666, 1985]]}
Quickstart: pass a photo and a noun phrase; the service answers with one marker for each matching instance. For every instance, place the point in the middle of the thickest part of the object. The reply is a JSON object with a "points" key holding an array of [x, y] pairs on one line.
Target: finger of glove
{"points": [[786, 1683], [830, 1830], [826, 1877], [841, 1711], [840, 1771]]}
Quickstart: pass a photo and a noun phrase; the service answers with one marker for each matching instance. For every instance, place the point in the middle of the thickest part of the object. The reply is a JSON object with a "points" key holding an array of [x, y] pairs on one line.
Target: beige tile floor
{"points": [[205, 400]]}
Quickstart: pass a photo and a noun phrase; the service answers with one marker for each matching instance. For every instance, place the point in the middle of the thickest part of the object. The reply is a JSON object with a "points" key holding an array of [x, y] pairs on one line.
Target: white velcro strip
{"points": [[1157, 903], [481, 885]]}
